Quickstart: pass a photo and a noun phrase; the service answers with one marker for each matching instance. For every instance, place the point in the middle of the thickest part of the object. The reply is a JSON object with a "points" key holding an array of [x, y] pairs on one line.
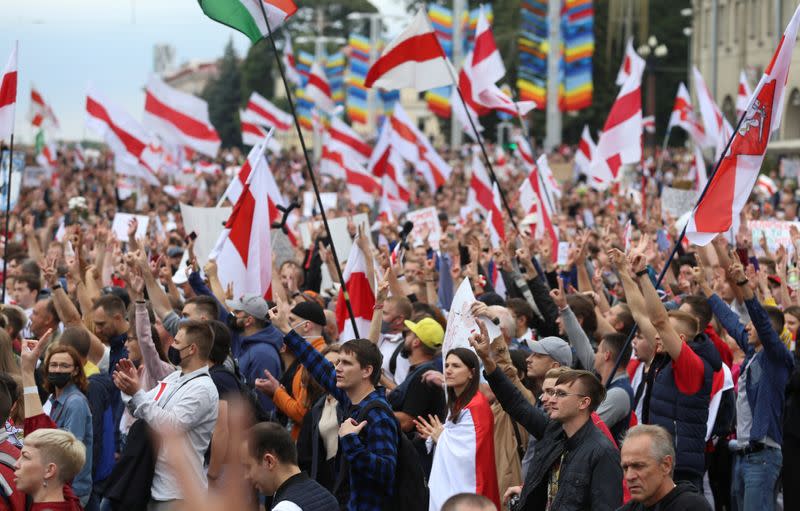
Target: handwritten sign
{"points": [[776, 231], [426, 226], [677, 202]]}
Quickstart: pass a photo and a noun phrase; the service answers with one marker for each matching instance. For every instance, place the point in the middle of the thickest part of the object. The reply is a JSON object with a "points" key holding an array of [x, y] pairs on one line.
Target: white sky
{"points": [[66, 44]]}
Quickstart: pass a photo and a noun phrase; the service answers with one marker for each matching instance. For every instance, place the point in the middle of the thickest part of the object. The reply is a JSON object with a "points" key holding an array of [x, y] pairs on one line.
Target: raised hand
{"points": [[268, 385], [431, 428], [558, 295]]}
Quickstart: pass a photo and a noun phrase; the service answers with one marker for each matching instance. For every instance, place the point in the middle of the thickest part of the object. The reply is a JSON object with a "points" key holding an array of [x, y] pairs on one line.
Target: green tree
{"points": [[223, 94], [258, 71]]}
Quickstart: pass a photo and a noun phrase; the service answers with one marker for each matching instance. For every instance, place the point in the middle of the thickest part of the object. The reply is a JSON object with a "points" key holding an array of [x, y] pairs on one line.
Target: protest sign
{"points": [[461, 323], [120, 226], [677, 202], [776, 231], [17, 163], [33, 177], [426, 226], [339, 233], [282, 248], [207, 223]]}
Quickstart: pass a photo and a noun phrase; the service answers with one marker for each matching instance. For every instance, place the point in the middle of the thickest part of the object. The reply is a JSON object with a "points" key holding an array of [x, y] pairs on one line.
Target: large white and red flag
{"points": [[292, 73], [41, 115], [362, 298], [585, 152], [318, 89], [179, 118], [348, 140], [551, 185], [742, 94], [730, 186], [8, 96], [532, 200], [683, 117], [629, 63], [123, 134], [362, 186], [268, 114], [244, 250], [718, 129], [697, 173], [481, 194], [253, 132], [620, 142], [417, 149], [414, 59]]}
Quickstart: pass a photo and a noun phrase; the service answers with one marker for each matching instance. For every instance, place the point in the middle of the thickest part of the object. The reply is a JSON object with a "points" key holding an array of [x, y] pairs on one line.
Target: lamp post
{"points": [[651, 51]]}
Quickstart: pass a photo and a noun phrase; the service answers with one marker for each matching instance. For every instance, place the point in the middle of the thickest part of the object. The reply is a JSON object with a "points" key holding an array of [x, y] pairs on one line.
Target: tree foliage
{"points": [[223, 94], [258, 71]]}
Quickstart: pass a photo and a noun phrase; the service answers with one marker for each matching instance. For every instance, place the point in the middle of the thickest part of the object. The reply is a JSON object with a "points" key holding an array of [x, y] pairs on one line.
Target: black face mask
{"points": [[233, 324], [59, 380], [174, 356]]}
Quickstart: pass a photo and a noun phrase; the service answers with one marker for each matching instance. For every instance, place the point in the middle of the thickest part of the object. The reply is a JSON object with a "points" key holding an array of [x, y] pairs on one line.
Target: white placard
{"points": [[563, 253], [207, 223], [426, 226], [120, 226]]}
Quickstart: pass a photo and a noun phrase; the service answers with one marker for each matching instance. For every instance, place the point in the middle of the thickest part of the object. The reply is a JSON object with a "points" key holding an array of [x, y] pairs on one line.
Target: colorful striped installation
{"points": [[577, 27], [533, 48], [334, 70], [303, 62], [356, 101], [442, 19]]}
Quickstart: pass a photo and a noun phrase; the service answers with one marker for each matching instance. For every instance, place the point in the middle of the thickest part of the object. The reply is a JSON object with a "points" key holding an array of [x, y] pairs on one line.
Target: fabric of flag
{"points": [[742, 94], [244, 250], [417, 149], [683, 116], [718, 129], [766, 186], [577, 33], [247, 16], [414, 59], [533, 199], [8, 96], [533, 46], [267, 113], [730, 186], [318, 89], [357, 67], [585, 152], [289, 64], [179, 118], [362, 299], [351, 141], [41, 115], [482, 195], [254, 131]]}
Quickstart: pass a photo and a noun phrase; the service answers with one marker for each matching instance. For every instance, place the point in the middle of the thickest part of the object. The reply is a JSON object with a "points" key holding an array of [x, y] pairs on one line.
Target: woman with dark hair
{"points": [[68, 406], [464, 457]]}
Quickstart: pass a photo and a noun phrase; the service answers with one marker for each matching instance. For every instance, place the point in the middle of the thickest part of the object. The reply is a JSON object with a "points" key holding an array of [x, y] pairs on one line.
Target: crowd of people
{"points": [[128, 383]]}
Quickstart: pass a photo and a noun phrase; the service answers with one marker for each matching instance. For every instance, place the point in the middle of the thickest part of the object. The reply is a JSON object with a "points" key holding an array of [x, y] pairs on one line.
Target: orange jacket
{"points": [[295, 407]]}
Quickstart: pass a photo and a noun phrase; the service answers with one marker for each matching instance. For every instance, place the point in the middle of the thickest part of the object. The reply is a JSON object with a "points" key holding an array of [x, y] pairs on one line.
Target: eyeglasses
{"points": [[560, 394], [63, 365]]}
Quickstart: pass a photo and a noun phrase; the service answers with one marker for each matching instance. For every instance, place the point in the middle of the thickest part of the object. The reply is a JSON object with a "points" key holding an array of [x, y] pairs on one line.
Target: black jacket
{"points": [[683, 497], [308, 494], [311, 449], [591, 476]]}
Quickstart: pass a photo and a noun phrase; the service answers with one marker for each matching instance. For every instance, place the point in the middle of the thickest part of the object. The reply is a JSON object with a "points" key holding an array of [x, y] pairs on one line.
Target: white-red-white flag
{"points": [[318, 89], [244, 250], [179, 118], [481, 194], [532, 200], [48, 157], [585, 152], [649, 123], [743, 94], [697, 173], [41, 115], [268, 114], [629, 62], [349, 140], [718, 129], [551, 185], [620, 142], [253, 132], [731, 185], [289, 64], [414, 59], [683, 117], [417, 149], [362, 299], [8, 96], [766, 186]]}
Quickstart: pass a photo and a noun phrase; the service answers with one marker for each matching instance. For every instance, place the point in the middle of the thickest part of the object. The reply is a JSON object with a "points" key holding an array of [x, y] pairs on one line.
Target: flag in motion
{"points": [[727, 193], [247, 16], [41, 114], [267, 113], [415, 59], [8, 96], [743, 94]]}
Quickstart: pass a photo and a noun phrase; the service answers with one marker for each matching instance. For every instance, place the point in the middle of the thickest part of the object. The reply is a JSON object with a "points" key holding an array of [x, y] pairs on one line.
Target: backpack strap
{"points": [[393, 359]]}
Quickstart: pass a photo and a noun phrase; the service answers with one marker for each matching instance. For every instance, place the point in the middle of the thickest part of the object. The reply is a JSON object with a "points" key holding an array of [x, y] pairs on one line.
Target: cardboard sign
{"points": [[677, 202], [777, 232], [120, 226], [339, 233], [426, 226], [207, 223], [461, 323]]}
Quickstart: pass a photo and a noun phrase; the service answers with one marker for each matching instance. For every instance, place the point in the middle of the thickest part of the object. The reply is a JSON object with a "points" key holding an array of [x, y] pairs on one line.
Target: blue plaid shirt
{"points": [[372, 457]]}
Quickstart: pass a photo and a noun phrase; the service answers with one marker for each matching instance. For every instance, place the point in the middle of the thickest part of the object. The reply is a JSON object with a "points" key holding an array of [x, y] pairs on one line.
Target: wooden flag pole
{"points": [[311, 175], [8, 216]]}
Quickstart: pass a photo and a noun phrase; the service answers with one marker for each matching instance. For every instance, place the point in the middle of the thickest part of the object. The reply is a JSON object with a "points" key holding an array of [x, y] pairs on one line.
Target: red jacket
{"points": [[16, 501], [71, 501]]}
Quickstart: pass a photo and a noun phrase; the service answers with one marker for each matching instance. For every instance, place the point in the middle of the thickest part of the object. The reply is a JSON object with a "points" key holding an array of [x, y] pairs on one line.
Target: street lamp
{"points": [[652, 51]]}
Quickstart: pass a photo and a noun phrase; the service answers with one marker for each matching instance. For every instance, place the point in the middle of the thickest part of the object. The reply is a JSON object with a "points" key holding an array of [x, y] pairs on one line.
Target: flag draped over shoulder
{"points": [[246, 15]]}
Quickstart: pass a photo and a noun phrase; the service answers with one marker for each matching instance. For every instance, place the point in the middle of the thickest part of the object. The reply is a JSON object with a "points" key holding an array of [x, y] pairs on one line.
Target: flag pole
{"points": [[483, 147], [311, 174], [678, 241], [8, 216]]}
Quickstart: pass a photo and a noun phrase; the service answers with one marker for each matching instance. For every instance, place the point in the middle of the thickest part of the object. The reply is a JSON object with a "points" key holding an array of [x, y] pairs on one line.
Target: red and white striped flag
{"points": [[123, 134], [649, 123], [620, 141], [585, 152], [292, 72], [179, 118], [532, 200], [718, 129], [417, 149], [318, 89], [697, 173], [362, 299], [683, 117], [414, 59], [349, 140], [766, 186], [551, 185], [41, 115], [8, 96], [743, 94], [244, 250], [481, 194], [386, 162], [253, 132], [48, 157], [629, 63], [79, 156], [731, 185], [268, 114]]}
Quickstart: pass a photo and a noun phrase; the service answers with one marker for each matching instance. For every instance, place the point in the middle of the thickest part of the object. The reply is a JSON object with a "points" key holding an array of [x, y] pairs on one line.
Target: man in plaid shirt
{"points": [[371, 456]]}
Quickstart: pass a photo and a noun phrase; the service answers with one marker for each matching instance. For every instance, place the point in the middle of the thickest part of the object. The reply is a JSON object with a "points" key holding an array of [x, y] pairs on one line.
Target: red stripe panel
{"points": [[268, 115], [361, 299], [36, 98], [364, 181], [317, 81], [240, 223], [624, 108], [254, 129], [420, 48], [131, 143], [484, 47], [351, 142], [187, 125], [8, 89]]}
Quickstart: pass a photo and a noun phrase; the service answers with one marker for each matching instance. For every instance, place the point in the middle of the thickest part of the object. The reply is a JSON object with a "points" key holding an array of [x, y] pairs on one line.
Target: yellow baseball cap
{"points": [[429, 331]]}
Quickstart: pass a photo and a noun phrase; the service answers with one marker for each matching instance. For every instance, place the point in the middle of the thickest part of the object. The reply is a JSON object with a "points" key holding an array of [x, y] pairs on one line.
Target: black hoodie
{"points": [[684, 497]]}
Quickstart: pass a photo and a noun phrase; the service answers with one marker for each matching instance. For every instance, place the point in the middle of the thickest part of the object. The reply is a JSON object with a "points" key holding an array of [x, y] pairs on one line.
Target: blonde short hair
{"points": [[59, 447]]}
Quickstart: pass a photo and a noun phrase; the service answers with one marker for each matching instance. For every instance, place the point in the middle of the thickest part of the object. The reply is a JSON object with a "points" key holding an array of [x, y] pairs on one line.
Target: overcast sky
{"points": [[65, 45]]}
